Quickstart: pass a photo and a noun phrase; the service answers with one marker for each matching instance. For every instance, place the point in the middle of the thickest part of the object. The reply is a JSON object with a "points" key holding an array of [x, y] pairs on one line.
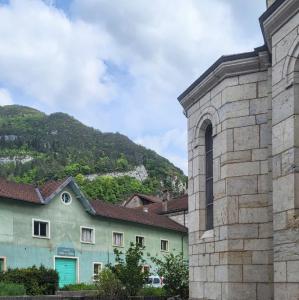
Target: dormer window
{"points": [[66, 198]]}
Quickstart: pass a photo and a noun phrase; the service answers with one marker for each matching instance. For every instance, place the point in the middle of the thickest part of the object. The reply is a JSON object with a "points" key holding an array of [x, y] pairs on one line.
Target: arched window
{"points": [[209, 176]]}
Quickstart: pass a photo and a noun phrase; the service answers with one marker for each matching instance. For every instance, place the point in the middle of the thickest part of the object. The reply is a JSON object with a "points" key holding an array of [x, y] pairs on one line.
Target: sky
{"points": [[119, 65]]}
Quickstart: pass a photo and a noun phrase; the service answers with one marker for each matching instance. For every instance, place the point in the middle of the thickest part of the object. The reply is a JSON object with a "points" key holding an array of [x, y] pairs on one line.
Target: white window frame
{"points": [[70, 198], [123, 239], [96, 263], [167, 245], [48, 231], [4, 258], [93, 235], [140, 236]]}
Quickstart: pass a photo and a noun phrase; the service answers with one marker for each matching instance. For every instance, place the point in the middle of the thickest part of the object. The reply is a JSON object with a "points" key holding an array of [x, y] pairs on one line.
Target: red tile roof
{"points": [[38, 195], [149, 198], [173, 205], [28, 192], [133, 215], [18, 191], [50, 187]]}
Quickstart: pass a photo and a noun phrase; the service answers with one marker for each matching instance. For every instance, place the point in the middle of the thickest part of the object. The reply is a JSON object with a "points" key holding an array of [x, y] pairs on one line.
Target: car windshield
{"points": [[156, 280], [149, 280]]}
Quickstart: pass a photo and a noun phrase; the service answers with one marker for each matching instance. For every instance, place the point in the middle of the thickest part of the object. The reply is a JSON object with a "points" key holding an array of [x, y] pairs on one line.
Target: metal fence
{"points": [[80, 297]]}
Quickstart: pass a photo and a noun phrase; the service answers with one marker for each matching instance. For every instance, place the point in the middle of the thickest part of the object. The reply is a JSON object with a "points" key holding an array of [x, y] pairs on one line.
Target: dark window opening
{"points": [[209, 177], [40, 229]]}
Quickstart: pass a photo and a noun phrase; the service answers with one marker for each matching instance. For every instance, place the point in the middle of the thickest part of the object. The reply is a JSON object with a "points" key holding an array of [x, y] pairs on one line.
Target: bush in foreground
{"points": [[108, 285], [152, 291], [174, 268], [12, 289], [37, 281], [129, 268]]}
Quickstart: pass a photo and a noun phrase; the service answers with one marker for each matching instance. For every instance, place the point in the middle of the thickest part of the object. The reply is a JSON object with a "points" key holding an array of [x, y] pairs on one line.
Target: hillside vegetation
{"points": [[35, 147]]}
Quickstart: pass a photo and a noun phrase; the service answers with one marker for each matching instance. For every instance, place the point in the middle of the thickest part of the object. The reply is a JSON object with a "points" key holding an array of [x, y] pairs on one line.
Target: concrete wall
{"points": [[21, 249], [179, 217]]}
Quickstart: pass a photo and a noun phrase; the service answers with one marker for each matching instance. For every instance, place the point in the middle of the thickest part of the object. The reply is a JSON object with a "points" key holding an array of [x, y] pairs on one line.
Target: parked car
{"points": [[154, 281]]}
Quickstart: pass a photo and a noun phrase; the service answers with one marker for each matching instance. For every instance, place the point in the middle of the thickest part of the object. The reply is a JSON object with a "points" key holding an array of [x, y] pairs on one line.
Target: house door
{"points": [[66, 269]]}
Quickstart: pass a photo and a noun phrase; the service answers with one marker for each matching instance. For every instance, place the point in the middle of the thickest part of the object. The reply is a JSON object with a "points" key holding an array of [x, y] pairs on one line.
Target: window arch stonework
{"points": [[203, 153]]}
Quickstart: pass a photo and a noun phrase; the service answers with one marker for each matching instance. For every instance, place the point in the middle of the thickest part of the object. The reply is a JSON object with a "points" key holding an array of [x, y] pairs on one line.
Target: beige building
{"points": [[243, 145], [173, 208]]}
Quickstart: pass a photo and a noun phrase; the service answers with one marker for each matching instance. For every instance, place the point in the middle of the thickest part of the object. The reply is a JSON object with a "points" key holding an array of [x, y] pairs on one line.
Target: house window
{"points": [[140, 241], [146, 268], [87, 235], [2, 264], [97, 268], [164, 245], [118, 239], [41, 229], [66, 198], [209, 176]]}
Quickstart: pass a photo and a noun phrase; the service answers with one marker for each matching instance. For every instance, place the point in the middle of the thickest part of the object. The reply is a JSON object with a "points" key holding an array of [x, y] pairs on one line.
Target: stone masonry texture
{"points": [[252, 102]]}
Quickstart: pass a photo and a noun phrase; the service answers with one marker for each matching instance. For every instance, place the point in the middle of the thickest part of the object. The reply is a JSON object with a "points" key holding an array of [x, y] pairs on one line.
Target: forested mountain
{"points": [[35, 147]]}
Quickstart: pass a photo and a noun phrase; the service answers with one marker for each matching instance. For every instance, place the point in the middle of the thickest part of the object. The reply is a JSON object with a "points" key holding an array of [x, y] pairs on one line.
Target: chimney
{"points": [[165, 199], [270, 2]]}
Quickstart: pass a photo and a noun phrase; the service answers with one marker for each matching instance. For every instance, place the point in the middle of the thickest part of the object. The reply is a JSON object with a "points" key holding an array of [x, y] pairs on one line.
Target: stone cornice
{"points": [[280, 12], [224, 69]]}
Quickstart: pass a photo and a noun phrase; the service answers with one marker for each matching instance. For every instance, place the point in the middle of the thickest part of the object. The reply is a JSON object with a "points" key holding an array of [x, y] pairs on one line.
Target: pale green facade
{"points": [[18, 247]]}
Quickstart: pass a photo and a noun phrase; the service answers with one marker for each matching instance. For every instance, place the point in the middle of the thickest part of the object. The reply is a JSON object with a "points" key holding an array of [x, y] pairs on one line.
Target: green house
{"points": [[57, 226]]}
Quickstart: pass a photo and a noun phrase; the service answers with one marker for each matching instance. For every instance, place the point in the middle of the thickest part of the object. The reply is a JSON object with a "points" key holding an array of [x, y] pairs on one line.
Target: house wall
{"points": [[285, 137], [234, 260], [134, 202], [21, 249], [179, 217]]}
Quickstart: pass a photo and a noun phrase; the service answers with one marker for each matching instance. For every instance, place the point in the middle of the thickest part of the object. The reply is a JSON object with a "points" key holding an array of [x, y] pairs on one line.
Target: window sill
{"points": [[122, 246], [41, 237], [207, 234], [88, 243]]}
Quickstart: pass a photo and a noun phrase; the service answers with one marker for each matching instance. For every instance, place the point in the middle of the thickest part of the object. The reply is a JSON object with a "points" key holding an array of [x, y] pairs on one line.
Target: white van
{"points": [[154, 281]]}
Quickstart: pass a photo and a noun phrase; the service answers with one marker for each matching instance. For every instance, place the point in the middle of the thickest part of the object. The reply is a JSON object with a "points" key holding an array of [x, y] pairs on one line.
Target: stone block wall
{"points": [[235, 259], [285, 137], [252, 102]]}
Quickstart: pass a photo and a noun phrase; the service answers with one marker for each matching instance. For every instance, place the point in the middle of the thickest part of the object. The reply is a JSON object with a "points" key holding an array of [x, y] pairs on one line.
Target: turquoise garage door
{"points": [[66, 268]]}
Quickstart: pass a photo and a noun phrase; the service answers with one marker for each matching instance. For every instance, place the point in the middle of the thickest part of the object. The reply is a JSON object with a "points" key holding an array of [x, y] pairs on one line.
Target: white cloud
{"points": [[164, 46], [170, 144], [50, 58], [119, 64], [5, 97]]}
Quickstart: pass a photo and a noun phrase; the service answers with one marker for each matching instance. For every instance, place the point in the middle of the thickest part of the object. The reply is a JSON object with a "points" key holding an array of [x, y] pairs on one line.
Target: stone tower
{"points": [[243, 168]]}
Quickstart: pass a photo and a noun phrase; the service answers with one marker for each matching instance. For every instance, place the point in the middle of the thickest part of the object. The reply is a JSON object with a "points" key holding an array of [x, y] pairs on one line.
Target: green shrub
{"points": [[129, 268], [152, 291], [108, 285], [37, 281], [12, 289], [175, 270], [79, 287]]}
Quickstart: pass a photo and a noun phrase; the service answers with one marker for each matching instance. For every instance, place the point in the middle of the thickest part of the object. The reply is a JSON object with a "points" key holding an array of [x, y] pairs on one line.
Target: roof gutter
{"points": [[225, 67]]}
